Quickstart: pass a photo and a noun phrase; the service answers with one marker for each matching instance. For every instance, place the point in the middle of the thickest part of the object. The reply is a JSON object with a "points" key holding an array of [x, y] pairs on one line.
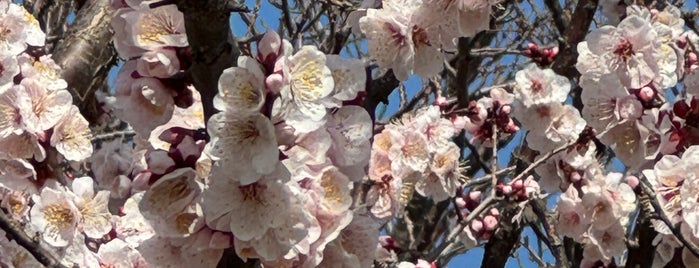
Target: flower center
{"points": [[58, 215], [624, 49]]}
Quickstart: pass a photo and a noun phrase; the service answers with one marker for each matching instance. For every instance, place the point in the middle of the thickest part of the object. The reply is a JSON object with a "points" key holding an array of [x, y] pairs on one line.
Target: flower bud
{"points": [[490, 223]]}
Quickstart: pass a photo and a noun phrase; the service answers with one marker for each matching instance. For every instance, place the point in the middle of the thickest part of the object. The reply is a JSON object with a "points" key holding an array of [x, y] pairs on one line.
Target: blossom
{"points": [[48, 107], [389, 41], [309, 80], [118, 253], [18, 28], [56, 215], [160, 63], [8, 70], [95, 218], [45, 72], [572, 221], [241, 89], [400, 37], [350, 128], [441, 183], [536, 86], [132, 227], [565, 126], [349, 77], [14, 104], [253, 139], [248, 210], [142, 29], [72, 137], [628, 50], [607, 243], [144, 103], [166, 203]]}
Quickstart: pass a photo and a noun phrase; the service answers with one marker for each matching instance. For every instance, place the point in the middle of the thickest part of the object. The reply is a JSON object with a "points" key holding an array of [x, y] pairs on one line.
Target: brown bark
{"points": [[86, 55]]}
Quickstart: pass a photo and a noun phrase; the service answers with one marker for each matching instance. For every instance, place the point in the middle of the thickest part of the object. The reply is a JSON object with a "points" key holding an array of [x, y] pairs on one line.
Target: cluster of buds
{"points": [[481, 227], [542, 56], [478, 118], [518, 190]]}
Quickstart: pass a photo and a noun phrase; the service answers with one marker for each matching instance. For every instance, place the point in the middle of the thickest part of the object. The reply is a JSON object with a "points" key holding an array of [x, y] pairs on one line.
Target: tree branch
{"points": [[579, 24], [15, 232], [86, 56]]}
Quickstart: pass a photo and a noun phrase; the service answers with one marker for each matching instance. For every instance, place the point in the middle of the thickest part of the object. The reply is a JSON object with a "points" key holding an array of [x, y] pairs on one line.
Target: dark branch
{"points": [[85, 54], [16, 233], [213, 46]]}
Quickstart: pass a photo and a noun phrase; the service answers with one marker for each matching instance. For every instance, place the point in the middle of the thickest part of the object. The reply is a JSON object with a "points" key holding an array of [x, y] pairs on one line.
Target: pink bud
{"points": [[654, 12], [533, 46], [269, 46], [460, 202], [517, 185], [494, 211], [506, 109], [274, 83], [474, 196], [692, 57], [490, 223], [476, 226], [507, 189], [440, 101], [546, 52], [632, 181], [646, 94], [575, 177], [554, 52]]}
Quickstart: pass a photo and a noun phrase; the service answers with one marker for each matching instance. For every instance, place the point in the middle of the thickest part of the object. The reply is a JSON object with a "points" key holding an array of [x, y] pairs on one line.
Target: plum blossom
{"points": [[241, 89], [248, 210], [160, 63], [140, 29], [55, 213], [72, 136], [144, 102], [572, 221], [118, 253], [629, 50], [167, 205], [18, 29], [252, 137], [536, 86], [309, 81], [14, 103]]}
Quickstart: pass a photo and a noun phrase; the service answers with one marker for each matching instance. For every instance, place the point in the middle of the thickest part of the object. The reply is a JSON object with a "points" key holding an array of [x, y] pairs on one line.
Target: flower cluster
{"points": [[411, 37], [154, 44], [486, 115], [285, 192], [625, 71], [597, 214], [413, 154], [675, 180], [39, 127]]}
